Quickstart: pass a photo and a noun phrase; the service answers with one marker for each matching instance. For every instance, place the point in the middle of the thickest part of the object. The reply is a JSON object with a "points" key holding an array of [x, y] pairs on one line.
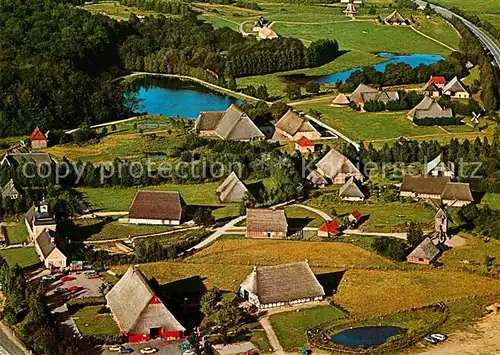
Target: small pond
{"points": [[172, 97], [414, 60], [366, 336], [156, 155]]}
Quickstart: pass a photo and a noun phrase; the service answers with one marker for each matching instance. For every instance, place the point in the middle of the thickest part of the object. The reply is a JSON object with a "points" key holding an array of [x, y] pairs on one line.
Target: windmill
{"points": [[441, 220], [475, 121]]}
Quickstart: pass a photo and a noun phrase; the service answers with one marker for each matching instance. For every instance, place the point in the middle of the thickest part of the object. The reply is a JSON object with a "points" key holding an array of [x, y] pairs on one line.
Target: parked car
{"points": [[73, 289], [439, 337], [148, 350], [89, 273], [124, 350], [115, 348], [49, 277], [431, 340], [60, 290], [189, 352], [95, 276], [67, 278], [185, 346]]}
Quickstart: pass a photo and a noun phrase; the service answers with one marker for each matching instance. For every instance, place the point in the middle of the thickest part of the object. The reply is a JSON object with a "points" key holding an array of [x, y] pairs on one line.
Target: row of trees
{"points": [[438, 121], [397, 249], [488, 26], [26, 309], [474, 51], [483, 221]]}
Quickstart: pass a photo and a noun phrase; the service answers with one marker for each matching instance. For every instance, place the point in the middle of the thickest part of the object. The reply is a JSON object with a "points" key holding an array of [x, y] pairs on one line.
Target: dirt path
{"points": [[433, 39], [484, 339]]}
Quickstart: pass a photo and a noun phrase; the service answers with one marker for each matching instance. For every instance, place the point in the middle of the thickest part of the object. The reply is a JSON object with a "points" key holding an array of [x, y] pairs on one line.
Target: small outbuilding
{"points": [[38, 139], [329, 229], [156, 207], [292, 126], [351, 192], [232, 189], [304, 146], [395, 18], [456, 89], [266, 223], [425, 253], [354, 218], [281, 285], [9, 191], [139, 312], [341, 100], [337, 167]]}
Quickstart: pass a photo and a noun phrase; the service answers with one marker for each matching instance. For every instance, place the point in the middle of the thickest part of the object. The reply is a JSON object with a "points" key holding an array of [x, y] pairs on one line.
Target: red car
{"points": [[67, 278], [93, 277], [73, 289]]}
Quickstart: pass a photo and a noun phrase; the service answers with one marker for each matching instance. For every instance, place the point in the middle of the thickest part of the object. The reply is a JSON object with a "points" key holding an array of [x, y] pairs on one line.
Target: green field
{"points": [[119, 199], [115, 10], [290, 327], [24, 257], [487, 9], [90, 323], [298, 217], [381, 217], [368, 125], [17, 233]]}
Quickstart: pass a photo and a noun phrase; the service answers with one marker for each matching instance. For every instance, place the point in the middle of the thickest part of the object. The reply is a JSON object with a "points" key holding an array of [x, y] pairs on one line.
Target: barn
{"points": [[281, 285], [139, 312], [156, 207], [266, 223]]}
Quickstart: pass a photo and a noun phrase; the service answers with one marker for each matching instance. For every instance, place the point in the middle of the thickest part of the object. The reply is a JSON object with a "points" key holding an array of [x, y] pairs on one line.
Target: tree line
{"points": [[475, 53]]}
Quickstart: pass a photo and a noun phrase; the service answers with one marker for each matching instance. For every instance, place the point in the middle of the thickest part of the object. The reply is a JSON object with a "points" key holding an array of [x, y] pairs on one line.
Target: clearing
{"points": [[24, 257], [16, 234], [91, 323]]}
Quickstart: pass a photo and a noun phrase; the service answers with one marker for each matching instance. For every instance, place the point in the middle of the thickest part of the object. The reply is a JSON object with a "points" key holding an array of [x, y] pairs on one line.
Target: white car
{"points": [[115, 348], [189, 352], [148, 350], [49, 277], [439, 337]]}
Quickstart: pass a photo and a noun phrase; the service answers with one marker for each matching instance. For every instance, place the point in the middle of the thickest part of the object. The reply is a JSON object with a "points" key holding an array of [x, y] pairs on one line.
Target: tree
{"points": [[415, 234], [278, 109], [312, 87], [227, 318], [204, 216], [209, 302], [292, 91]]}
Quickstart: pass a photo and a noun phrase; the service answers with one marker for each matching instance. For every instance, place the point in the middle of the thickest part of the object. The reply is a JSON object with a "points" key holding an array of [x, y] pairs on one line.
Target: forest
{"points": [[57, 60]]}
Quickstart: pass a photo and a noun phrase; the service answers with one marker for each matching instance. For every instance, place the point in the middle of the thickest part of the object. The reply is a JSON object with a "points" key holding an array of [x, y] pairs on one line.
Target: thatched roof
{"points": [[457, 191], [361, 89], [233, 124], [167, 205], [37, 158], [290, 122], [455, 85], [232, 189], [334, 163], [283, 283], [341, 99], [351, 189], [424, 184], [316, 178], [129, 300], [266, 220], [267, 33], [425, 250], [430, 87], [395, 17], [429, 108], [9, 189]]}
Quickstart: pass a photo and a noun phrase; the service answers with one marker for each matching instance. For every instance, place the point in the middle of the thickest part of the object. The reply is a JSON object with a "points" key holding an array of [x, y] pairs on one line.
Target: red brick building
{"points": [[138, 311]]}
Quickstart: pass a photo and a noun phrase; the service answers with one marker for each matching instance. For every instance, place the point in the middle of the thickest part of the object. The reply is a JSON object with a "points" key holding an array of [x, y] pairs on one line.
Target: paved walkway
{"points": [[271, 335], [220, 231]]}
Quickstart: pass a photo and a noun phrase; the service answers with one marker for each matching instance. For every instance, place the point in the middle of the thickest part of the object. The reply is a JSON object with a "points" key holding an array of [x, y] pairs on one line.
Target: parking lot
{"points": [[86, 287], [164, 347]]}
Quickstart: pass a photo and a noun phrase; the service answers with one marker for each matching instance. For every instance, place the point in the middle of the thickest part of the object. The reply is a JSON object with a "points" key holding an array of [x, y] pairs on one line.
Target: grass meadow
{"points": [[115, 10], [24, 257], [90, 323], [16, 234]]}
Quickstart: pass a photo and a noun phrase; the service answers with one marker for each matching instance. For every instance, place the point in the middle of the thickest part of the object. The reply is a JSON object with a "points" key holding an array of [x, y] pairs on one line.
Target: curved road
{"points": [[487, 41]]}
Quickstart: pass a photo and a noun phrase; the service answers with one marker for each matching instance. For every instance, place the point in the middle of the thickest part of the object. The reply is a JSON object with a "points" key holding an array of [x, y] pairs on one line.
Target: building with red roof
{"points": [[38, 139], [304, 145], [439, 81], [328, 229], [354, 217]]}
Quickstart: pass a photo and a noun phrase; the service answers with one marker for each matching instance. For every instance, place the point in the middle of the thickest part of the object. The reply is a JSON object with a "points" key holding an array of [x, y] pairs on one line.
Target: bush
{"points": [[438, 121]]}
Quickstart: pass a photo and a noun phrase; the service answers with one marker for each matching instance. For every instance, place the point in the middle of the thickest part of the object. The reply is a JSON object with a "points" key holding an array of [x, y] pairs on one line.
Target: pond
{"points": [[414, 60], [172, 97], [366, 336]]}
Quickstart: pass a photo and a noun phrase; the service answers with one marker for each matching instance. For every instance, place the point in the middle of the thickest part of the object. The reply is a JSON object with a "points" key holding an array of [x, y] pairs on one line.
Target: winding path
{"points": [[433, 39]]}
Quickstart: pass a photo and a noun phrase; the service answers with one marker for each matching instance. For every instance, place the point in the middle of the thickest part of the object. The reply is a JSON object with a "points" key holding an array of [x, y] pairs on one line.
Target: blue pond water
{"points": [[414, 60], [178, 98], [365, 336]]}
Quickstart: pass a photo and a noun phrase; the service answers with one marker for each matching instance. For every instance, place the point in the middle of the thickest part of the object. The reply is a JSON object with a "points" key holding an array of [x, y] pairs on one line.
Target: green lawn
{"points": [[298, 217], [290, 327], [368, 125], [24, 257], [438, 28], [90, 323], [381, 217], [260, 340], [17, 234], [115, 10], [487, 9], [119, 199]]}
